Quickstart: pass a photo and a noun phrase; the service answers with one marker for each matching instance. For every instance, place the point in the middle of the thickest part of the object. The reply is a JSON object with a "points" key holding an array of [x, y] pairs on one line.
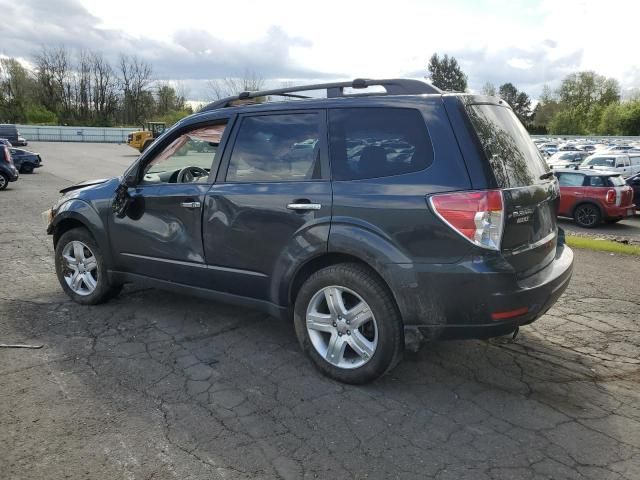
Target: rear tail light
{"points": [[7, 155], [477, 216], [610, 197]]}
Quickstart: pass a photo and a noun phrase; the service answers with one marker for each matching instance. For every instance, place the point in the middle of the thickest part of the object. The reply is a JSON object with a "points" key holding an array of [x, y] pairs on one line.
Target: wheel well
{"points": [[64, 226], [327, 260]]}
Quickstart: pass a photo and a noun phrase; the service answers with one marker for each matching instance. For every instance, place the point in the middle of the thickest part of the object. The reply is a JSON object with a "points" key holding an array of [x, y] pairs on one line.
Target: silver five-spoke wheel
{"points": [[342, 327], [80, 268]]}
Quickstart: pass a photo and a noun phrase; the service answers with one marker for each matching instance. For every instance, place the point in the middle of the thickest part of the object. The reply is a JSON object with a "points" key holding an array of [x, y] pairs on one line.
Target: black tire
{"points": [[104, 290], [587, 215], [4, 181], [390, 332], [26, 168]]}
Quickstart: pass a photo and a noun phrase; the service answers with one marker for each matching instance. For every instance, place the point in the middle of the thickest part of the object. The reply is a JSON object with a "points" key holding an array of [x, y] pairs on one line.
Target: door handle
{"points": [[190, 204], [304, 206]]}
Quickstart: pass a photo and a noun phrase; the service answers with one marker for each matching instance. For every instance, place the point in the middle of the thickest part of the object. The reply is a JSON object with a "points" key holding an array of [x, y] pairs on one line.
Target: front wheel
{"points": [[27, 168], [81, 269], [587, 215], [347, 322]]}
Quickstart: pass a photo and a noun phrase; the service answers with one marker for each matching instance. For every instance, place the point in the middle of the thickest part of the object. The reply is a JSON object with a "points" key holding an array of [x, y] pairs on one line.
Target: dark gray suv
{"points": [[373, 219]]}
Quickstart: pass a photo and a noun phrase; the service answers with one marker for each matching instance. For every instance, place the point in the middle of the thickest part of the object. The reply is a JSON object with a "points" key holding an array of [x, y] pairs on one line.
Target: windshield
{"points": [[600, 162], [514, 158]]}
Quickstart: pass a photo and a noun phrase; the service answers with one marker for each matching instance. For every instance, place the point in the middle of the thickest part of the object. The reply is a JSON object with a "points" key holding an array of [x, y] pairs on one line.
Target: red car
{"points": [[591, 196]]}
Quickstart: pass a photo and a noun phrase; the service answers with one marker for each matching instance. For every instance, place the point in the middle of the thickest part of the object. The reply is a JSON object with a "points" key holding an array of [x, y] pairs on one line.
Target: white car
{"points": [[625, 164]]}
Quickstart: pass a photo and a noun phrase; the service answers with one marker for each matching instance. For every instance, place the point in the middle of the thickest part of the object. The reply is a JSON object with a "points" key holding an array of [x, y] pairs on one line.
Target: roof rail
{"points": [[394, 86]]}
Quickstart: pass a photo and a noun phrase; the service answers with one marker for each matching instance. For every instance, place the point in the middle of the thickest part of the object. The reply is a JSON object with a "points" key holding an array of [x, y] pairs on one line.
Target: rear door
{"points": [[271, 204], [530, 191]]}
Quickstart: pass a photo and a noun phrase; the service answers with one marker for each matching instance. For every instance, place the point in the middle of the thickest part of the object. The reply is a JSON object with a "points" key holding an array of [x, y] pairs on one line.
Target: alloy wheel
{"points": [[80, 268], [587, 216], [342, 327]]}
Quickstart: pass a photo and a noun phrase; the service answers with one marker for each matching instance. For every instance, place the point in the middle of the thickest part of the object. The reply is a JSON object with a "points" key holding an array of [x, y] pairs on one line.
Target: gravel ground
{"points": [[157, 386]]}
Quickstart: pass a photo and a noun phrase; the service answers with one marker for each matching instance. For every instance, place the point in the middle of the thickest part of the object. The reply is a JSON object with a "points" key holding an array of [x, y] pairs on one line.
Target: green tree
{"points": [[610, 120], [567, 122], [446, 74], [519, 101], [16, 90], [583, 90]]}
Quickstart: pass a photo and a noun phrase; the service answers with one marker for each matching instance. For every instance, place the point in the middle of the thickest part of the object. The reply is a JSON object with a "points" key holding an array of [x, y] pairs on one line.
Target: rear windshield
{"points": [[616, 181], [514, 158]]}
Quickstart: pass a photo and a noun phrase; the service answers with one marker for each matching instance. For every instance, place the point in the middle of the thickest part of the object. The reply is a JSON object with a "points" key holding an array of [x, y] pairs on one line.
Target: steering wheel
{"points": [[189, 174]]}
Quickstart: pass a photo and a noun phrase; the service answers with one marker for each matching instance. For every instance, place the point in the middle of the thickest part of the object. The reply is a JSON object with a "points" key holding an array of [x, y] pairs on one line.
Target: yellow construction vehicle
{"points": [[142, 139]]}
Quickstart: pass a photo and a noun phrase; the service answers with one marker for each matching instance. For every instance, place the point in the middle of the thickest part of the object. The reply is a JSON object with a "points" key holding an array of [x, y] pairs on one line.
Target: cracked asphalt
{"points": [[158, 386]]}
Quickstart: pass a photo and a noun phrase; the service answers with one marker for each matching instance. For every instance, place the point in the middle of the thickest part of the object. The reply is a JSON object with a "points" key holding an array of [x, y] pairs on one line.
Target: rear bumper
{"points": [[458, 300], [620, 212]]}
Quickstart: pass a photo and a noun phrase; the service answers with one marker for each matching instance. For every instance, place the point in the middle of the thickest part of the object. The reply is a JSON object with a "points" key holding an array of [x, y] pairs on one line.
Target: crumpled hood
{"points": [[86, 183]]}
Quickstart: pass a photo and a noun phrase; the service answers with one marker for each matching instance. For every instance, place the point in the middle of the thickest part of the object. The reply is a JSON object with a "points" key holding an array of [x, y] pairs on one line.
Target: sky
{"points": [[526, 42]]}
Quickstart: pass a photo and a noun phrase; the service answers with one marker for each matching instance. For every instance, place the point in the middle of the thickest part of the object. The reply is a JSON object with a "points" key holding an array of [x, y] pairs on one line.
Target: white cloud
{"points": [[526, 42]]}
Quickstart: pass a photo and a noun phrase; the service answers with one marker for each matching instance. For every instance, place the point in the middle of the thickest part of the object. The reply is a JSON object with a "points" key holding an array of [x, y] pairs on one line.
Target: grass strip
{"points": [[602, 245]]}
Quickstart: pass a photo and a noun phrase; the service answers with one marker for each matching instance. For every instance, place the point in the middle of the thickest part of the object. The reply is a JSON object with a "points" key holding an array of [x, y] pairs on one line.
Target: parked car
{"points": [[10, 132], [634, 183], [24, 160], [593, 196], [622, 163], [367, 236], [8, 171], [566, 159]]}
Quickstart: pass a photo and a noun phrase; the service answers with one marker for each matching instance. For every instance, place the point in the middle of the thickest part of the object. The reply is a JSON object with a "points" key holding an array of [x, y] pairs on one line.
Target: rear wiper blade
{"points": [[544, 176]]}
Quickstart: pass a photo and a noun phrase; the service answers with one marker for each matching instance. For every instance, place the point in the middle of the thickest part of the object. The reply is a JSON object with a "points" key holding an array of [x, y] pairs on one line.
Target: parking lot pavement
{"points": [[156, 385], [628, 229]]}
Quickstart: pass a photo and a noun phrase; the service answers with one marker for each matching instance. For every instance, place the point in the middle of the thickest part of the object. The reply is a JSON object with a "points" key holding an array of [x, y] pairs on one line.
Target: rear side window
{"points": [[276, 148], [596, 182], [514, 158], [570, 179], [377, 142]]}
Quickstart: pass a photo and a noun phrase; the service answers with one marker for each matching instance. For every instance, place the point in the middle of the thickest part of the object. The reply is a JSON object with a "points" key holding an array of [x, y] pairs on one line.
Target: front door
{"points": [[161, 234], [271, 205]]}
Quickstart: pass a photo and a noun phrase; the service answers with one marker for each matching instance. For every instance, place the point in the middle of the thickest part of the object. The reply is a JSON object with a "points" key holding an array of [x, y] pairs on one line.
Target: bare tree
{"points": [[104, 84], [229, 86], [135, 79]]}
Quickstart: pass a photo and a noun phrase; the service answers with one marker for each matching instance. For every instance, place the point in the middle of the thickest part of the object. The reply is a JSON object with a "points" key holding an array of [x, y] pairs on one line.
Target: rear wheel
{"points": [[81, 268], [347, 322], [4, 181], [587, 215]]}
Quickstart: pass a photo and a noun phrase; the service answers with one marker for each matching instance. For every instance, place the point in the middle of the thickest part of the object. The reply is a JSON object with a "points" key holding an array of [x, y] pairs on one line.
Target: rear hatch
{"points": [[529, 189]]}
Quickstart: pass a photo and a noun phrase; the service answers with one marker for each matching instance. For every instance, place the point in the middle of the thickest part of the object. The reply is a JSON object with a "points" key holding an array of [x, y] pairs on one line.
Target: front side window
{"points": [[276, 148], [571, 179], [186, 159], [377, 142]]}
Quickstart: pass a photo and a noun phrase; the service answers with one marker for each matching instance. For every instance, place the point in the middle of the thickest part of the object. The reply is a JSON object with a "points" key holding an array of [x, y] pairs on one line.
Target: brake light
{"points": [[477, 216], [610, 197]]}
